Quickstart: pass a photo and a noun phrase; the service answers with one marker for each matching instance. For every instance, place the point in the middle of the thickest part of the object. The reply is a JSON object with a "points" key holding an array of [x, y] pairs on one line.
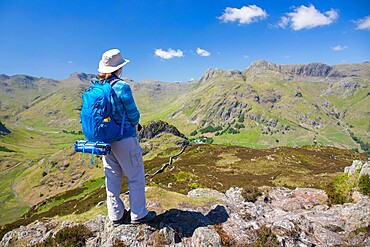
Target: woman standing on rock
{"points": [[126, 156]]}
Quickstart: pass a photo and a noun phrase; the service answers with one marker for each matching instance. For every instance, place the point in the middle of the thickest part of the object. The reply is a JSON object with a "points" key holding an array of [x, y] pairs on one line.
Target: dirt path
{"points": [[33, 129], [11, 167]]}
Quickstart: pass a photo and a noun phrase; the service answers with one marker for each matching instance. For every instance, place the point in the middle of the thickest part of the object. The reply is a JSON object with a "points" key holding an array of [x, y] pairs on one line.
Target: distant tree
{"points": [[241, 118], [233, 131], [195, 132]]}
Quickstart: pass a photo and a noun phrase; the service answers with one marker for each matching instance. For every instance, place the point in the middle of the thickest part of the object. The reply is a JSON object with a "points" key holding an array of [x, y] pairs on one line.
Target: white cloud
{"points": [[170, 53], [202, 52], [284, 22], [70, 62], [307, 17], [244, 15], [364, 23], [339, 48]]}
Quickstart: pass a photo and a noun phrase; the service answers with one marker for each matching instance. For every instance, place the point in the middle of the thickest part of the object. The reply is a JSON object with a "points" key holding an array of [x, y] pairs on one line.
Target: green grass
{"points": [[336, 135], [10, 208], [339, 190], [89, 187], [31, 144]]}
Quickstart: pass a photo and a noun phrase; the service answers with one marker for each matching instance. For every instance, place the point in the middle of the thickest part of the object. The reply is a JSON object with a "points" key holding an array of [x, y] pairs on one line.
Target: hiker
{"points": [[126, 155]]}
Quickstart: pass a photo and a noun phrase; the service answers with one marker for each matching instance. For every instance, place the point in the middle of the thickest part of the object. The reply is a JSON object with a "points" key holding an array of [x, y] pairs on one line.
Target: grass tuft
{"points": [[364, 185], [68, 236]]}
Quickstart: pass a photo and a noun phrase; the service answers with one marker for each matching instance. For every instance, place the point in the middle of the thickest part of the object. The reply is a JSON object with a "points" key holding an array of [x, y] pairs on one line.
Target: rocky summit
{"points": [[279, 217]]}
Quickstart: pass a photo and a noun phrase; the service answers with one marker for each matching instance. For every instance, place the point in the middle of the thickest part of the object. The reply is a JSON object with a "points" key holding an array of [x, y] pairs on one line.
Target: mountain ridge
{"points": [[310, 101]]}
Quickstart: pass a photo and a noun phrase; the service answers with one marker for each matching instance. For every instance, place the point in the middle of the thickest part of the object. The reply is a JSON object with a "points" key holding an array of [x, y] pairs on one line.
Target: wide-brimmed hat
{"points": [[111, 61]]}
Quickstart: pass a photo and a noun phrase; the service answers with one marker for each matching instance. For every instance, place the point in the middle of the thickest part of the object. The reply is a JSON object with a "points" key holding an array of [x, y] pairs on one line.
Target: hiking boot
{"points": [[124, 220], [149, 217]]}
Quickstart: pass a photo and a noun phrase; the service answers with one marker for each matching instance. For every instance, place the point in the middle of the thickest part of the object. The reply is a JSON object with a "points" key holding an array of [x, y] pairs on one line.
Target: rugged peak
{"points": [[219, 73], [210, 74], [312, 69], [82, 76], [23, 79], [264, 65], [157, 127], [4, 77]]}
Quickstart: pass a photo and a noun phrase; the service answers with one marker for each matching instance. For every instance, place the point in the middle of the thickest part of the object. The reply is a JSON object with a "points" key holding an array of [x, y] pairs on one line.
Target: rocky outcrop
{"points": [[157, 127], [211, 74], [263, 65], [362, 168], [312, 69], [81, 76], [280, 217]]}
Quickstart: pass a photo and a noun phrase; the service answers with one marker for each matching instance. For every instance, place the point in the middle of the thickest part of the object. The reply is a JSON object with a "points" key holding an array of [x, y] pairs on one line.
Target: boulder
{"points": [[204, 237], [354, 168], [365, 170]]}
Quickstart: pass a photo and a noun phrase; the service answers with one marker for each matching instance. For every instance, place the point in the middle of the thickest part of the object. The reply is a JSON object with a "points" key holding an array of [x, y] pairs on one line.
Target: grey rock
{"points": [[170, 235], [298, 94], [327, 237], [300, 198], [312, 69], [235, 195], [263, 65], [365, 170], [354, 168], [203, 192], [205, 237], [210, 74]]}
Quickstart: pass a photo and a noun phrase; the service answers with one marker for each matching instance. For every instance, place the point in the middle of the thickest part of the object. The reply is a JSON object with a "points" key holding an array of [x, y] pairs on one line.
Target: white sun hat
{"points": [[111, 61]]}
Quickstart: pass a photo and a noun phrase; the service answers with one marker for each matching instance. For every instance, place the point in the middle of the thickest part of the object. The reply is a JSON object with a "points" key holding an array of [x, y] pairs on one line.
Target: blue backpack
{"points": [[97, 113]]}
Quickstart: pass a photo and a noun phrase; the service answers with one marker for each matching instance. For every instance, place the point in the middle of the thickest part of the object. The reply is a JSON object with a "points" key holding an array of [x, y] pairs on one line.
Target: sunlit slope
{"points": [[271, 104], [19, 91]]}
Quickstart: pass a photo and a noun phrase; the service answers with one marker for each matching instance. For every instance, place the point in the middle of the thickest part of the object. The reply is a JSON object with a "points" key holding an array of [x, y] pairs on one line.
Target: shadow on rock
{"points": [[186, 222]]}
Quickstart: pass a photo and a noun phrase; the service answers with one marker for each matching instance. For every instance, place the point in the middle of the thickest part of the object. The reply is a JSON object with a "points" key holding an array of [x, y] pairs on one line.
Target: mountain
{"points": [[59, 108], [18, 91], [269, 104], [265, 105]]}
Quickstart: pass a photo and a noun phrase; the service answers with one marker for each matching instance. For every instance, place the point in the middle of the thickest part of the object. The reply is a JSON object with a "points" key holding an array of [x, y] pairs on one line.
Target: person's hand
{"points": [[138, 127]]}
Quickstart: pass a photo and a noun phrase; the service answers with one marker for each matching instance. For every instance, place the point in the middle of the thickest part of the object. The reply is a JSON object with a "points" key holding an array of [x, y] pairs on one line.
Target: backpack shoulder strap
{"points": [[112, 80], [95, 80]]}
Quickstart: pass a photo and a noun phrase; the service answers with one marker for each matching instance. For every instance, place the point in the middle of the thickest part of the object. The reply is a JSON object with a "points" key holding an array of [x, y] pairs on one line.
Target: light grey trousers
{"points": [[125, 158]]}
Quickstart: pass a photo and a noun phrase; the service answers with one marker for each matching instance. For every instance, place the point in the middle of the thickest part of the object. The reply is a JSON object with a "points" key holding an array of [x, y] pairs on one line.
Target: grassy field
{"points": [[20, 169], [10, 208]]}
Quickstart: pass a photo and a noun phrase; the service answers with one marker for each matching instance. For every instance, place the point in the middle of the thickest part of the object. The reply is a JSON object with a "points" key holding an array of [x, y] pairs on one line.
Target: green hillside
{"points": [[275, 105], [263, 106]]}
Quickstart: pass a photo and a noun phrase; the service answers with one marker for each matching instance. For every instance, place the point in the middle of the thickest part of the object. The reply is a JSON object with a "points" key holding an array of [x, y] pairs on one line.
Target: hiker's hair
{"points": [[104, 76]]}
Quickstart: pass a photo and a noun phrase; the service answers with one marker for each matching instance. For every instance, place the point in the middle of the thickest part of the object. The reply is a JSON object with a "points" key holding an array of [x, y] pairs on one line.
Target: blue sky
{"points": [[177, 40]]}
